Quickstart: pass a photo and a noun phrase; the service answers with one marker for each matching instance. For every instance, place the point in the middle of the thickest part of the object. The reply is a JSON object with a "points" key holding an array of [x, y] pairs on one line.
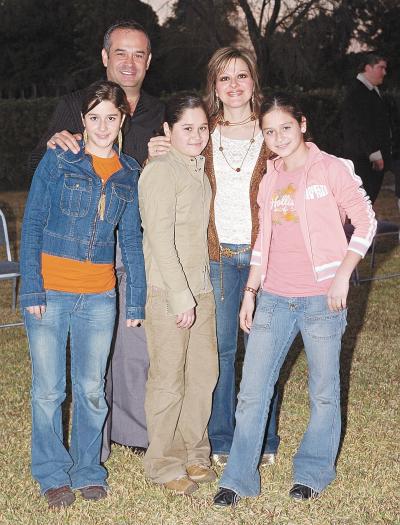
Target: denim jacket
{"points": [[61, 218]]}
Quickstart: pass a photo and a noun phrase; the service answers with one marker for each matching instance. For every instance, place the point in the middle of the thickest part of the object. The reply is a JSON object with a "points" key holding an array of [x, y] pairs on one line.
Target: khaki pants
{"points": [[182, 375]]}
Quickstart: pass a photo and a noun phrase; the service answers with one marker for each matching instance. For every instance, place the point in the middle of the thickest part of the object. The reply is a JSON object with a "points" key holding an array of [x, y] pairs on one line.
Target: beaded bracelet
{"points": [[251, 290]]}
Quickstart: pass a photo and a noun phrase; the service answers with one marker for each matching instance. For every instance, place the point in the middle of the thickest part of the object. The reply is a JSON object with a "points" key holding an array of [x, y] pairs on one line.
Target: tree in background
{"points": [[268, 19], [36, 41], [190, 36], [46, 43], [313, 54], [52, 47], [306, 42], [380, 30]]}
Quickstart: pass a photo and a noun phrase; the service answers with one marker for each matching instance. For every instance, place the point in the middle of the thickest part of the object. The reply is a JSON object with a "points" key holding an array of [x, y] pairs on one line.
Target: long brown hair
{"points": [[218, 63]]}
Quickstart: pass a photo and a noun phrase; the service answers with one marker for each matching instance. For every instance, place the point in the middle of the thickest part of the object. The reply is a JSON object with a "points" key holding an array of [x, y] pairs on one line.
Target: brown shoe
{"points": [[183, 486], [201, 473], [59, 497], [94, 492]]}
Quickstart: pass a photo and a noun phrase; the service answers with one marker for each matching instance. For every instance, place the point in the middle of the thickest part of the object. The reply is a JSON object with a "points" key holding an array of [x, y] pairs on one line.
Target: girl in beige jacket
{"points": [[174, 199]]}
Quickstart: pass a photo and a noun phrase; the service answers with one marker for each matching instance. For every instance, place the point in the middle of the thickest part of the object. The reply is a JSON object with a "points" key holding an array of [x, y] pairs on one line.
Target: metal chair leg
{"points": [[372, 263], [14, 296]]}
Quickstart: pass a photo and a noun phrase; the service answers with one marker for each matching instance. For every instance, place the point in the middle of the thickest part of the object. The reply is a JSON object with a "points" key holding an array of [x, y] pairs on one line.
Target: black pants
{"points": [[372, 180]]}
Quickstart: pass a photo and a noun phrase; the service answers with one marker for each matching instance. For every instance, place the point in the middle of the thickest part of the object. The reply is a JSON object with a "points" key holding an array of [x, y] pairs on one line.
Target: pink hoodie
{"points": [[329, 191]]}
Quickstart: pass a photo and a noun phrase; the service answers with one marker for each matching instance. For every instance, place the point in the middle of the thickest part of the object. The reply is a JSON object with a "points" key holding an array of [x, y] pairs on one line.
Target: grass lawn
{"points": [[367, 484]]}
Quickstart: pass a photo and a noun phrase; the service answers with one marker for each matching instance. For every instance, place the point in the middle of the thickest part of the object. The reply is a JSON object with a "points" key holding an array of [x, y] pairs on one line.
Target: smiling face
{"points": [[376, 73], [102, 125], [128, 59], [190, 134], [283, 135], [234, 85]]}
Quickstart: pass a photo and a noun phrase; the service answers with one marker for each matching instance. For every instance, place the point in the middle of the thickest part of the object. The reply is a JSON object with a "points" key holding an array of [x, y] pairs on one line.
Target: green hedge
{"points": [[24, 121]]}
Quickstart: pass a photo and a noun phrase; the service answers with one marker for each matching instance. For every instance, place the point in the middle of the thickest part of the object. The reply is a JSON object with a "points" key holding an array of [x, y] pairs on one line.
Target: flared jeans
{"points": [[276, 323]]}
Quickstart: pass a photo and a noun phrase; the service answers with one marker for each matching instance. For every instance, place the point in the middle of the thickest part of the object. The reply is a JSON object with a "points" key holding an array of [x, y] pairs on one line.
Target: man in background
{"points": [[366, 124]]}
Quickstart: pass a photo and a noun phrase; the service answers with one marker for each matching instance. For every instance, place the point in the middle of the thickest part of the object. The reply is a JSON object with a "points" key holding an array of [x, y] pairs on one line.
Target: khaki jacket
{"points": [[174, 201]]}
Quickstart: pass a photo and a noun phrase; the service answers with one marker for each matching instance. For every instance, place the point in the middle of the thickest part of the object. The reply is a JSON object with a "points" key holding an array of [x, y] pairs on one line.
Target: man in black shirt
{"points": [[126, 56], [366, 124]]}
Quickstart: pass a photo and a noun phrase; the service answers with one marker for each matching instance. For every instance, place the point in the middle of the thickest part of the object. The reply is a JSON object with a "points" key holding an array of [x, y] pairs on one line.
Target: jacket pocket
{"points": [[120, 196], [76, 195]]}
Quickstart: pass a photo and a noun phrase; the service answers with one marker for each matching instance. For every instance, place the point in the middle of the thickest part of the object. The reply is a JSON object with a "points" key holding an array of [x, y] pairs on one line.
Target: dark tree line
{"points": [[56, 45]]}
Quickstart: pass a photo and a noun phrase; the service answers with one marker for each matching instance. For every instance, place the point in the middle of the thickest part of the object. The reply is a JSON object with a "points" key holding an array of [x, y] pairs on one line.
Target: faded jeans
{"points": [[235, 271], [276, 323], [89, 318]]}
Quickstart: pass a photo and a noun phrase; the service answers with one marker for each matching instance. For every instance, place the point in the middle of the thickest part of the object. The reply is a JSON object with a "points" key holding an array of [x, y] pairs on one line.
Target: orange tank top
{"points": [[68, 275]]}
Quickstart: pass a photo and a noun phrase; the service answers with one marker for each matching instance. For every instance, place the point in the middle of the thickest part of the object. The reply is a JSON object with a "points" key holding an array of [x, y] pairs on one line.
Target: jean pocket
{"points": [[120, 196], [76, 195], [325, 326], [112, 294]]}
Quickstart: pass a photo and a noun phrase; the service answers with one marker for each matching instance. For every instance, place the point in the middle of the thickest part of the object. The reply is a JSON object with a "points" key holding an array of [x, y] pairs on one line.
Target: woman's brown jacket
{"points": [[258, 172]]}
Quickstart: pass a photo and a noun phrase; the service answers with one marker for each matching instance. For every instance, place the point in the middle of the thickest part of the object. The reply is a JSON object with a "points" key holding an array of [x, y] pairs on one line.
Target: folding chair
{"points": [[9, 269]]}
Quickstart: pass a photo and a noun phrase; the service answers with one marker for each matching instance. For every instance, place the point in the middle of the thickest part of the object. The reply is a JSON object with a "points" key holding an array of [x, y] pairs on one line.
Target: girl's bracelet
{"points": [[251, 290]]}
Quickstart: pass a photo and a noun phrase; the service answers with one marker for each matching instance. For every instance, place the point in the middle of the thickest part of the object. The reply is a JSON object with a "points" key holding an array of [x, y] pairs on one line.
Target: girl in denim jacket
{"points": [[300, 270], [75, 204]]}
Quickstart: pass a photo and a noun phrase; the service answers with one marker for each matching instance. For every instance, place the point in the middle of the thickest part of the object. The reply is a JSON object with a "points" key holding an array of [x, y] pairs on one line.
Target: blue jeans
{"points": [[235, 272], [276, 323], [89, 318]]}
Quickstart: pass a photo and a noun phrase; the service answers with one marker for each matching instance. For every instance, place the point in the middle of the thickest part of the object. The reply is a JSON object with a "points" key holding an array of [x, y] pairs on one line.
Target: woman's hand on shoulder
{"points": [[38, 310], [133, 323], [247, 311], [158, 146], [186, 319]]}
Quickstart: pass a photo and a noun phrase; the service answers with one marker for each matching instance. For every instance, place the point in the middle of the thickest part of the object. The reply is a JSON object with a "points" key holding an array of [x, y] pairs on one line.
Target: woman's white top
{"points": [[232, 200]]}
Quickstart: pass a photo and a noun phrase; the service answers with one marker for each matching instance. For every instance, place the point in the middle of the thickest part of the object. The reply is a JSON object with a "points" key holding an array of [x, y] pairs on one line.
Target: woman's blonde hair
{"points": [[216, 66]]}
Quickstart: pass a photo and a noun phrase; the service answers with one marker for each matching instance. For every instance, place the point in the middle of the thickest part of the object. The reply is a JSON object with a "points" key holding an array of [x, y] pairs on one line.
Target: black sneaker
{"points": [[226, 498], [301, 492]]}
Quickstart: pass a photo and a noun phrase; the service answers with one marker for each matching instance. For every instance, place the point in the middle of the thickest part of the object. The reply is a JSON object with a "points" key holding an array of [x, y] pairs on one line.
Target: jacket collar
{"points": [[189, 162], [362, 78], [73, 158]]}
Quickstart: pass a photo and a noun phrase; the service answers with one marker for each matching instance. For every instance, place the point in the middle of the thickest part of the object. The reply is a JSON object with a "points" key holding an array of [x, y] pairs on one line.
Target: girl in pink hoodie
{"points": [[300, 270]]}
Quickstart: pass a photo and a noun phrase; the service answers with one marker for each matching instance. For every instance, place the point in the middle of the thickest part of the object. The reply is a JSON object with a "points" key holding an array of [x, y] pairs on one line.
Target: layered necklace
{"points": [[221, 123]]}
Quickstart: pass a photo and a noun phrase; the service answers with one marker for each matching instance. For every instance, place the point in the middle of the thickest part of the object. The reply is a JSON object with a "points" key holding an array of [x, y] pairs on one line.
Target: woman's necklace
{"points": [[221, 149], [223, 122]]}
